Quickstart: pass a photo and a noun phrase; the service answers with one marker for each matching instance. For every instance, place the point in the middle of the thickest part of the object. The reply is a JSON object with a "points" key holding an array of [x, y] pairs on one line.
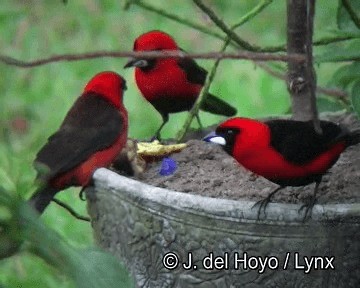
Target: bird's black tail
{"points": [[42, 198], [354, 138], [215, 105]]}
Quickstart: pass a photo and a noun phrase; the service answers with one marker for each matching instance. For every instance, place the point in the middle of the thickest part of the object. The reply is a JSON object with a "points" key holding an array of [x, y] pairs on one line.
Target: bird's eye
{"points": [[232, 131]]}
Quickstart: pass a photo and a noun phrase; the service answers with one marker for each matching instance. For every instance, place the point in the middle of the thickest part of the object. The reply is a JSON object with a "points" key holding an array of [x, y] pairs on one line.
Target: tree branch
{"points": [[204, 92], [195, 109], [338, 58], [338, 38], [176, 18], [184, 21], [152, 54], [227, 30], [251, 14], [247, 46], [301, 77], [336, 93], [310, 71]]}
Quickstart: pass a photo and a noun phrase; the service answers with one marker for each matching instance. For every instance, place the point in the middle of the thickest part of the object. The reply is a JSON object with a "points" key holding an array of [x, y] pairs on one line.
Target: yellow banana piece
{"points": [[156, 149]]}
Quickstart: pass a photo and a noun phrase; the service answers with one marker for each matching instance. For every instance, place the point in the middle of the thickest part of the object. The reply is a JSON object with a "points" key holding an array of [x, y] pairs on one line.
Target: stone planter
{"points": [[142, 224]]}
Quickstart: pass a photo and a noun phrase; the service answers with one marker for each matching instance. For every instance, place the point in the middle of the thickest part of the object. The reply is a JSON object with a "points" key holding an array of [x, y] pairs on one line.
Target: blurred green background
{"points": [[34, 101]]}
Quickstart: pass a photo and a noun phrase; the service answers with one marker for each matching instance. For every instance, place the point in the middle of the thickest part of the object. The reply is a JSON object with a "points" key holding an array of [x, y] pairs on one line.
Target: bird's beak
{"points": [[136, 63], [215, 138]]}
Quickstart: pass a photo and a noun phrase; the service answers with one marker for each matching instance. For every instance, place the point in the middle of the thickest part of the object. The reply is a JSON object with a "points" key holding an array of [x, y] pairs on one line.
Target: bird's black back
{"points": [[197, 75], [91, 125], [194, 73], [298, 141]]}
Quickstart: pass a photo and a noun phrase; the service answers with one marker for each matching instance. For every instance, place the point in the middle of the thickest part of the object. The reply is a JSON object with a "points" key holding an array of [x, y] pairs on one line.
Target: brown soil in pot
{"points": [[205, 169]]}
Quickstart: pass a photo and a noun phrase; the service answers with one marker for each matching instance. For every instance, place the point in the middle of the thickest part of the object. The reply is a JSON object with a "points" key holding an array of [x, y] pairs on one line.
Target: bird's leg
{"points": [[70, 210], [165, 118], [310, 203], [263, 203], [198, 120], [81, 194]]}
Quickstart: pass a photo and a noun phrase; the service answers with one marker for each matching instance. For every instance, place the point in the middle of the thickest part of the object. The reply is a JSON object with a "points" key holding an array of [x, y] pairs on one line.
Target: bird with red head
{"points": [[286, 152], [92, 134], [171, 85]]}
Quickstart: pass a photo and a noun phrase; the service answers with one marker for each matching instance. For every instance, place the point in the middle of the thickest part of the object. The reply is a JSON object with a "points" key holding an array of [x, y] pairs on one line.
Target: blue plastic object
{"points": [[168, 166]]}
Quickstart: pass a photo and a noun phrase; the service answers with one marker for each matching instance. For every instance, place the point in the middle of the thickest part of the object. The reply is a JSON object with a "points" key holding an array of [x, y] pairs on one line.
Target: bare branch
{"points": [[338, 58], [340, 94], [227, 30], [301, 77], [204, 91], [251, 14], [152, 54], [336, 93], [334, 39], [310, 71], [185, 21], [174, 17]]}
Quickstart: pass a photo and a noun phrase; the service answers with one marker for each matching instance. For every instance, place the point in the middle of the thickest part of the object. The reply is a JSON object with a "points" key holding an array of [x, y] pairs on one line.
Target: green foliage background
{"points": [[41, 96]]}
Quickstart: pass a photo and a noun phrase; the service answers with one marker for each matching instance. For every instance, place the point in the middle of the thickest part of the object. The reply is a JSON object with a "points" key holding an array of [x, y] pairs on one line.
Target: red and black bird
{"points": [[92, 134], [171, 85], [286, 152]]}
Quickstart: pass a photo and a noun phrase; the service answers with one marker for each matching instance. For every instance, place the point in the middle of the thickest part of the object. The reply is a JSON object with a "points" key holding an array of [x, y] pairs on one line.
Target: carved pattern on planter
{"points": [[140, 231]]}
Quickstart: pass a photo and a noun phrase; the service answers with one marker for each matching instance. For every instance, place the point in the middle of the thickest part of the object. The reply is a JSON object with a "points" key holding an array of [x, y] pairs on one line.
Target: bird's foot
{"points": [[82, 194], [308, 206], [263, 203], [71, 210], [156, 136], [262, 206]]}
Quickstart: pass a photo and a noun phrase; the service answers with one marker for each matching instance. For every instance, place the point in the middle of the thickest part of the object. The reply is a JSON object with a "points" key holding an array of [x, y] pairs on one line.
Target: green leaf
{"points": [[344, 20], [10, 236], [328, 104], [345, 75], [355, 97], [89, 268], [100, 269]]}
